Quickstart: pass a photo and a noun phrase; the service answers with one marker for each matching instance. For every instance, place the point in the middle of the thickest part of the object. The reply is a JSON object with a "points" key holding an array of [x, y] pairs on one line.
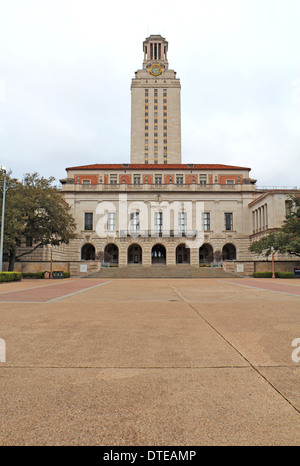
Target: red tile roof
{"points": [[130, 166]]}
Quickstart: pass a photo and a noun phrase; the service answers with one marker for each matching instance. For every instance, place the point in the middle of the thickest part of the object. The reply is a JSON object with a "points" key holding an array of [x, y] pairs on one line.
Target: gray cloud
{"points": [[66, 69]]}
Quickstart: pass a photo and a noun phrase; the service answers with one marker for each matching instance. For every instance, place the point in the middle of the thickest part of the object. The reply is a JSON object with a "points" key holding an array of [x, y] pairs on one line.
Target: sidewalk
{"points": [[150, 362]]}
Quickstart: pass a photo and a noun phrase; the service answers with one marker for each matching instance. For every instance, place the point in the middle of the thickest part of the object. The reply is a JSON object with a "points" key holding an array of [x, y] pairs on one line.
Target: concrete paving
{"points": [[182, 362]]}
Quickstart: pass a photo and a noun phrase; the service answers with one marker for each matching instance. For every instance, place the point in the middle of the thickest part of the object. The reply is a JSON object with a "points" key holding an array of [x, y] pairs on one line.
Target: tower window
{"points": [[202, 179], [228, 221], [136, 179], [88, 221], [113, 179]]}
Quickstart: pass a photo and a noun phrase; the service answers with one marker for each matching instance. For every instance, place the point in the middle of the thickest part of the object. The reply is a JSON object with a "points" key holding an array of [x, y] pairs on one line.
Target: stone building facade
{"points": [[156, 210]]}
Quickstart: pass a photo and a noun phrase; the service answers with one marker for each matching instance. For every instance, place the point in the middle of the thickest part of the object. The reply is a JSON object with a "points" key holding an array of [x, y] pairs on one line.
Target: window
{"points": [[88, 221], [136, 179], [111, 221], [229, 181], [134, 222], [158, 222], [203, 179], [182, 222], [228, 221], [113, 179], [158, 179], [206, 221], [86, 182], [179, 179]]}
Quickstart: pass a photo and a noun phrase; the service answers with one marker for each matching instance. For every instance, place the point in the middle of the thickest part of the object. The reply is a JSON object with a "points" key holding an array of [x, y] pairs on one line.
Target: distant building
{"points": [[156, 210]]}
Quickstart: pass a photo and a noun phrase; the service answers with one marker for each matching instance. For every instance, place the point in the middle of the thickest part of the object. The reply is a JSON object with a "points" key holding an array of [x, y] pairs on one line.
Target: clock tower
{"points": [[155, 108]]}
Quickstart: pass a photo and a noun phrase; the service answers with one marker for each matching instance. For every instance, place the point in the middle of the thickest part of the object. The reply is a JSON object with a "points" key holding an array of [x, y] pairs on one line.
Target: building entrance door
{"points": [[182, 254], [134, 254], [158, 254]]}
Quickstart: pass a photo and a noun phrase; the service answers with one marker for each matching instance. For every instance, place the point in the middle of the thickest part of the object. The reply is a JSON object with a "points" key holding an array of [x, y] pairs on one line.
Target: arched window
{"points": [[206, 253], [88, 252], [182, 254], [158, 254], [229, 252], [134, 254], [111, 253]]}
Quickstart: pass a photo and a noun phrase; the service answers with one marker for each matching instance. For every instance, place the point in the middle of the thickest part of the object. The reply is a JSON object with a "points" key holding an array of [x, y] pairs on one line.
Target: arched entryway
{"points": [[111, 253], [158, 254], [182, 254], [206, 254], [88, 252], [229, 252], [134, 254]]}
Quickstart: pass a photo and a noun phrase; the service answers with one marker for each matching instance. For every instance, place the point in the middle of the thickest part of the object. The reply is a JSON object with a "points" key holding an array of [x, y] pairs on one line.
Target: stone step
{"points": [[161, 271]]}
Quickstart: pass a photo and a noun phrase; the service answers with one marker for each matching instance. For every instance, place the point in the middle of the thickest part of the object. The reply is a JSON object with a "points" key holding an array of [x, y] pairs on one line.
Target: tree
{"points": [[286, 239], [35, 211]]}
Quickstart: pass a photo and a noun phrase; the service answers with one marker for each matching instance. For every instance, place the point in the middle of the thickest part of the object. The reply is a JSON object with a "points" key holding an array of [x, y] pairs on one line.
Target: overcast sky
{"points": [[66, 68]]}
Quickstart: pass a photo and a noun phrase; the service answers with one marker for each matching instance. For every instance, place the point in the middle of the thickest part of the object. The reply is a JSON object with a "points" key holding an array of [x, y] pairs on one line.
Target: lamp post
{"points": [[51, 251], [3, 169], [273, 265]]}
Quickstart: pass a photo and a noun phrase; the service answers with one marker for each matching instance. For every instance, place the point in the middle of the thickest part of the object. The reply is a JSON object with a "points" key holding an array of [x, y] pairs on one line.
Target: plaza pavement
{"points": [[182, 362]]}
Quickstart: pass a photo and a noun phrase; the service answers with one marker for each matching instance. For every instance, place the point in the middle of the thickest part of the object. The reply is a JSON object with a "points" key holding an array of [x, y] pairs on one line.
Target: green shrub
{"points": [[270, 274], [67, 275], [262, 274], [10, 276], [33, 275], [285, 274]]}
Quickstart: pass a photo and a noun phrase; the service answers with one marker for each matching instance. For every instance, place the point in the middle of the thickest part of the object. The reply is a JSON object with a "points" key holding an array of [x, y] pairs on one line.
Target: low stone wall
{"points": [[240, 268], [247, 268], [82, 268], [39, 266], [280, 266]]}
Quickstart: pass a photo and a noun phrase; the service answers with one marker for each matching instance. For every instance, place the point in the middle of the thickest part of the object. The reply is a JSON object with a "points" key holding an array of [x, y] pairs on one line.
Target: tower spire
{"points": [[155, 108]]}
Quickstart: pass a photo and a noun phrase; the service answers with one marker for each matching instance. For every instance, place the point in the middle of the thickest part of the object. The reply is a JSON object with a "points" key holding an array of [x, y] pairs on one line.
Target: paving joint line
{"points": [[35, 287], [59, 298], [261, 289], [235, 349], [51, 366]]}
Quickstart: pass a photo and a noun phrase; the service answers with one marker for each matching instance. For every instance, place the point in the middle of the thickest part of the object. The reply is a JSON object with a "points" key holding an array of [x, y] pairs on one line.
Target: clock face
{"points": [[155, 70]]}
